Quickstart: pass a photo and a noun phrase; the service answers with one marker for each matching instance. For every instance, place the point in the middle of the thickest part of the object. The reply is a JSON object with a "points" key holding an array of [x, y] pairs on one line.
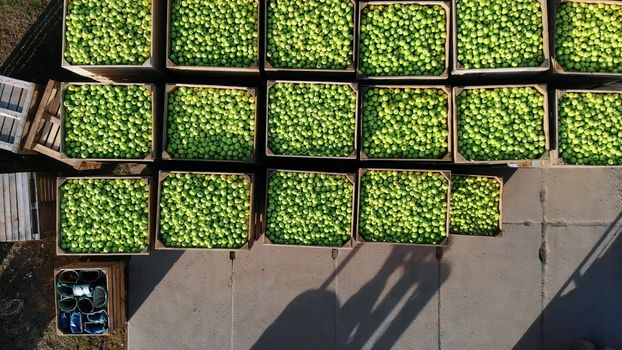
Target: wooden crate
{"points": [[252, 220], [542, 161], [115, 285], [44, 136], [19, 209], [16, 101], [151, 211], [360, 239], [149, 70], [154, 117], [262, 223]]}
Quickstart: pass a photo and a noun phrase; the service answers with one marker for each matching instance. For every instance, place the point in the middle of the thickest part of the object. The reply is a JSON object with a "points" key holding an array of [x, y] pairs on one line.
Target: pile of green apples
{"points": [[309, 209], [403, 206], [205, 210], [108, 121], [211, 123], [104, 215]]}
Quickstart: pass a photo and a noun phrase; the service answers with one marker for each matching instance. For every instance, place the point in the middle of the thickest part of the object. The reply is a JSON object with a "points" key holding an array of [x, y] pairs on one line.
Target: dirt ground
{"points": [[16, 17], [26, 274], [26, 268]]}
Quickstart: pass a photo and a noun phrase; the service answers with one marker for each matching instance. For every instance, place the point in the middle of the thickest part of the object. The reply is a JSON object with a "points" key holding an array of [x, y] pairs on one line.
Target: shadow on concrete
{"points": [[587, 306], [145, 273], [365, 319]]}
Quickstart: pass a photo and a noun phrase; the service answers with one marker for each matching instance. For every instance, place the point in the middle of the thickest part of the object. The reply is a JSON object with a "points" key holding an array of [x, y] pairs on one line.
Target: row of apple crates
{"points": [[550, 157], [258, 209], [160, 53]]}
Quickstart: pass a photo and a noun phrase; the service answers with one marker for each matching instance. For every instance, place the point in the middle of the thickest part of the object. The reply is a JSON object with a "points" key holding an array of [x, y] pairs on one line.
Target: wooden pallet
{"points": [[19, 211], [46, 189], [17, 99], [45, 134]]}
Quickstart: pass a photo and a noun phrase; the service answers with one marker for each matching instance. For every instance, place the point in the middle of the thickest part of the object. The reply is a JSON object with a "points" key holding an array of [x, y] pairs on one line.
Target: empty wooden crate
{"points": [[19, 219], [45, 134], [16, 99]]}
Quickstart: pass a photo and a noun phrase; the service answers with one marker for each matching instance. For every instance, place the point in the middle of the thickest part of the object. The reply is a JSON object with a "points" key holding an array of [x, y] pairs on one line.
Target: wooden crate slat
{"points": [[14, 209], [19, 83], [6, 193], [14, 102], [5, 97], [26, 102], [52, 135], [46, 189], [7, 125], [39, 114], [14, 133], [56, 143], [48, 152], [3, 230], [54, 106], [29, 204], [45, 133], [22, 214], [32, 232], [19, 207], [21, 122]]}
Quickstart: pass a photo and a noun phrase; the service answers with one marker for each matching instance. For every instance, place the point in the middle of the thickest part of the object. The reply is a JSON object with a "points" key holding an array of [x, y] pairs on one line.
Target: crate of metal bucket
{"points": [[90, 298]]}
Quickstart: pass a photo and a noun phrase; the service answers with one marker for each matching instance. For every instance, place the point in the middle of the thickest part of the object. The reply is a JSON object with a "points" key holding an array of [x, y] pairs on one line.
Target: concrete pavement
{"points": [[553, 278]]}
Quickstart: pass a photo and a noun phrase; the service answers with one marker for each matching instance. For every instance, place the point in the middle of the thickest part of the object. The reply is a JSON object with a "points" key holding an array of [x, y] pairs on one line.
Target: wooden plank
{"points": [[14, 102], [45, 133], [49, 152], [22, 215], [56, 142], [5, 97], [28, 206], [19, 83], [21, 122], [5, 132], [6, 185], [14, 209], [28, 102], [52, 135], [3, 231], [36, 127], [54, 106], [54, 120], [32, 230], [14, 135]]}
